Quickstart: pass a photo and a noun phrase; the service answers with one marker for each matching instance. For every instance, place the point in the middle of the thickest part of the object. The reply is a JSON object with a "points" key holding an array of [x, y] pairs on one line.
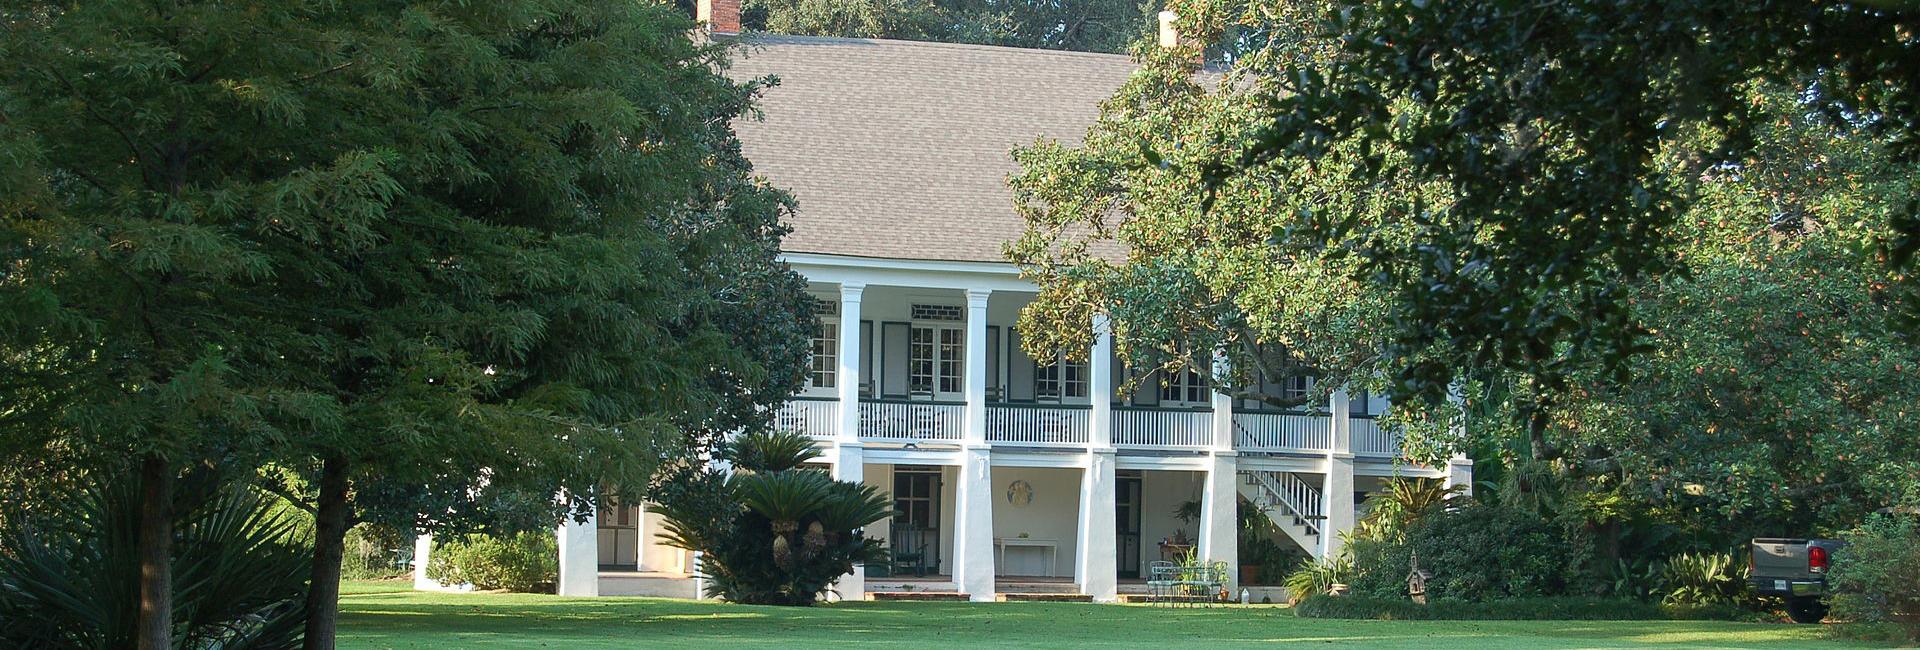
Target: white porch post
{"points": [[1219, 499], [1096, 568], [422, 546], [973, 539], [849, 459], [975, 378], [848, 377], [640, 536], [1459, 468], [1100, 385], [579, 556], [1336, 493]]}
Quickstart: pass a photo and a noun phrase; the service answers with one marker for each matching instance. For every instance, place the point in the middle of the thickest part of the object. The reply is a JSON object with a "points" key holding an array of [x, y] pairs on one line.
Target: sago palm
{"points": [[761, 452]]}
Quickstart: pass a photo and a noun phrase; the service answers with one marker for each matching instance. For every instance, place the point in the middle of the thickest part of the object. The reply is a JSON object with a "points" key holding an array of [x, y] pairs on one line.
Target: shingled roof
{"points": [[900, 149]]}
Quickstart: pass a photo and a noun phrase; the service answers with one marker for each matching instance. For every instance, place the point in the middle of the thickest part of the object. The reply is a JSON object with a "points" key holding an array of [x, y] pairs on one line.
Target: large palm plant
{"points": [[240, 569], [775, 532]]}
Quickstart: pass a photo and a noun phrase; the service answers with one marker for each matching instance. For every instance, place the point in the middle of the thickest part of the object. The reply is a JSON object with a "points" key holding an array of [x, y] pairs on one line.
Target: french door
{"points": [[936, 357], [1126, 505], [916, 518]]}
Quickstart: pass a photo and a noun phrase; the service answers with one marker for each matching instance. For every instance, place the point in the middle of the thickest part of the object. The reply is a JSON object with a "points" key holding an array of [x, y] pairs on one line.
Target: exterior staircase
{"points": [[1293, 504]]}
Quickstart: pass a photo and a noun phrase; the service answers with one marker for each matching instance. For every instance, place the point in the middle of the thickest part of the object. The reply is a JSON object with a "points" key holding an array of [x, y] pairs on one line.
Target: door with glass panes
{"points": [[916, 520], [936, 355]]}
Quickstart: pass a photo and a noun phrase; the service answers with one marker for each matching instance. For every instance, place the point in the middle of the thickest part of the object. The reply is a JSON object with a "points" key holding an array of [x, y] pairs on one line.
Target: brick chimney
{"points": [[721, 17]]}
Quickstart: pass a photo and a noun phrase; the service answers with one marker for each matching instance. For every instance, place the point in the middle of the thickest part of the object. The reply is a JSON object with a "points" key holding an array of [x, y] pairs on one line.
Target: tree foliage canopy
{"points": [[1079, 25], [454, 256], [1566, 138]]}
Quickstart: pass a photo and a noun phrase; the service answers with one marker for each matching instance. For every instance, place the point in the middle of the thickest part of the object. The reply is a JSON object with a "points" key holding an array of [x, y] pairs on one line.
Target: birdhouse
{"points": [[1417, 582]]}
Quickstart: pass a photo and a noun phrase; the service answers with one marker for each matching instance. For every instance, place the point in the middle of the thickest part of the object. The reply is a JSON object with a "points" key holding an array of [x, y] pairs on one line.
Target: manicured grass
{"points": [[389, 615]]}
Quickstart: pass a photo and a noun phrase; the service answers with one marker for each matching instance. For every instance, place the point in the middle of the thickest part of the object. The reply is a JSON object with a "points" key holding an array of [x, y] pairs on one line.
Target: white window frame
{"points": [[824, 365], [1056, 382], [1181, 389], [944, 377]]}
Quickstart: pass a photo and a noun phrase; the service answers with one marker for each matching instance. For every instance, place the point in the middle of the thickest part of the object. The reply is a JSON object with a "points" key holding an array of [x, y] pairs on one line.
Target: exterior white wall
{"points": [[656, 555], [1052, 515]]}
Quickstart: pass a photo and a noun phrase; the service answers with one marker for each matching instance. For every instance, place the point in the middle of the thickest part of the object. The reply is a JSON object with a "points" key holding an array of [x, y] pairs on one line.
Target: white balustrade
{"points": [[1258, 431], [1369, 439], [811, 416], [1295, 497], [909, 420], [1159, 427], [1038, 425]]}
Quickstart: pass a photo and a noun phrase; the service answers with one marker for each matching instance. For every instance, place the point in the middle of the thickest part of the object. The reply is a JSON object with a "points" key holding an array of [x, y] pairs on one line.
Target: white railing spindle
{"points": [[814, 417], [1037, 425], [1260, 431]]}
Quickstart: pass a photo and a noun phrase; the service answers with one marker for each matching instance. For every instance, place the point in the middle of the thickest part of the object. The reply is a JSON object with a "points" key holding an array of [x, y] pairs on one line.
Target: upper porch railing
{"points": [[813, 416], [1369, 439], [1039, 424], [1067, 425], [911, 420], [1281, 431], [1162, 427]]}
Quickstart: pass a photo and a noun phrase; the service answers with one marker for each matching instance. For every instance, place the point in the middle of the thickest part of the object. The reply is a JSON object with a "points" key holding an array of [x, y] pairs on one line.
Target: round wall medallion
{"points": [[1019, 494]]}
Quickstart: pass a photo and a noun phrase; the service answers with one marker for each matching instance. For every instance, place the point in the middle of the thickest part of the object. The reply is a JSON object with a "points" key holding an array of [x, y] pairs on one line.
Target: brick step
{"points": [[916, 595], [1047, 598]]}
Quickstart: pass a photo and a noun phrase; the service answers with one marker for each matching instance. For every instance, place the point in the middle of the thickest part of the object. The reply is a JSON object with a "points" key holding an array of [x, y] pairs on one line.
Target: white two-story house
{"points": [[1007, 474]]}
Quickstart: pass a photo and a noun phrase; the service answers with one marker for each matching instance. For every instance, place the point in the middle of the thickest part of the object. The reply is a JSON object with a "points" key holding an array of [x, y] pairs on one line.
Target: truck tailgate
{"points": [[1780, 558]]}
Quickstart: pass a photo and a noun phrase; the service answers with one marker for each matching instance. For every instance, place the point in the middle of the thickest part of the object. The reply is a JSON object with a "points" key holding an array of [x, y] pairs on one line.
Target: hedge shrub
{"points": [[1876, 577], [1474, 552], [527, 562], [1554, 608]]}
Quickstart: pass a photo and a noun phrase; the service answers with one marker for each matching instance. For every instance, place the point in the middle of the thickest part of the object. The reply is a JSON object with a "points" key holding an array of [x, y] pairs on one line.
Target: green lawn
{"points": [[388, 615]]}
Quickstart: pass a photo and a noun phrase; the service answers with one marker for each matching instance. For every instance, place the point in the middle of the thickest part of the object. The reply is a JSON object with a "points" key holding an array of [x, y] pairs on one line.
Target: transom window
{"points": [[1063, 379], [923, 311]]}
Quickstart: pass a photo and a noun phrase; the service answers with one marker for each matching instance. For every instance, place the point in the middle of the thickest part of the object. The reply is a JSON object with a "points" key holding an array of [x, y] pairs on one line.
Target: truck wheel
{"points": [[1806, 610]]}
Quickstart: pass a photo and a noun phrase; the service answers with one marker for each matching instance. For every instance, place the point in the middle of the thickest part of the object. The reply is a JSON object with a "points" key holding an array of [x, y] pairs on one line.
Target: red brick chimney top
{"points": [[721, 17]]}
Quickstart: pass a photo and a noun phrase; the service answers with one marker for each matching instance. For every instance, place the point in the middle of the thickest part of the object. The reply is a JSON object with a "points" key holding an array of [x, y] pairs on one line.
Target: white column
{"points": [[973, 541], [973, 569], [850, 465], [1336, 492], [849, 459], [1219, 514], [976, 366], [1096, 564], [1100, 385], [1459, 468], [848, 378], [422, 546], [640, 536], [579, 556]]}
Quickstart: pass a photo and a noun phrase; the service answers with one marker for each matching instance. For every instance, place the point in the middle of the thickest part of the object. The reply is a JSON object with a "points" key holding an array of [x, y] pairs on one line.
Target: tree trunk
{"points": [[329, 545], [154, 629]]}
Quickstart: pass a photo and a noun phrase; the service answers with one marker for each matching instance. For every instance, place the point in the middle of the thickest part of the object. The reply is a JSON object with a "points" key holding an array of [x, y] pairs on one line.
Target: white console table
{"points": [[1051, 547]]}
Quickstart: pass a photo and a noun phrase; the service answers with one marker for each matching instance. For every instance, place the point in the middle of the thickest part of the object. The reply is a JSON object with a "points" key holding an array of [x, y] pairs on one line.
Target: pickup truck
{"points": [[1795, 570]]}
